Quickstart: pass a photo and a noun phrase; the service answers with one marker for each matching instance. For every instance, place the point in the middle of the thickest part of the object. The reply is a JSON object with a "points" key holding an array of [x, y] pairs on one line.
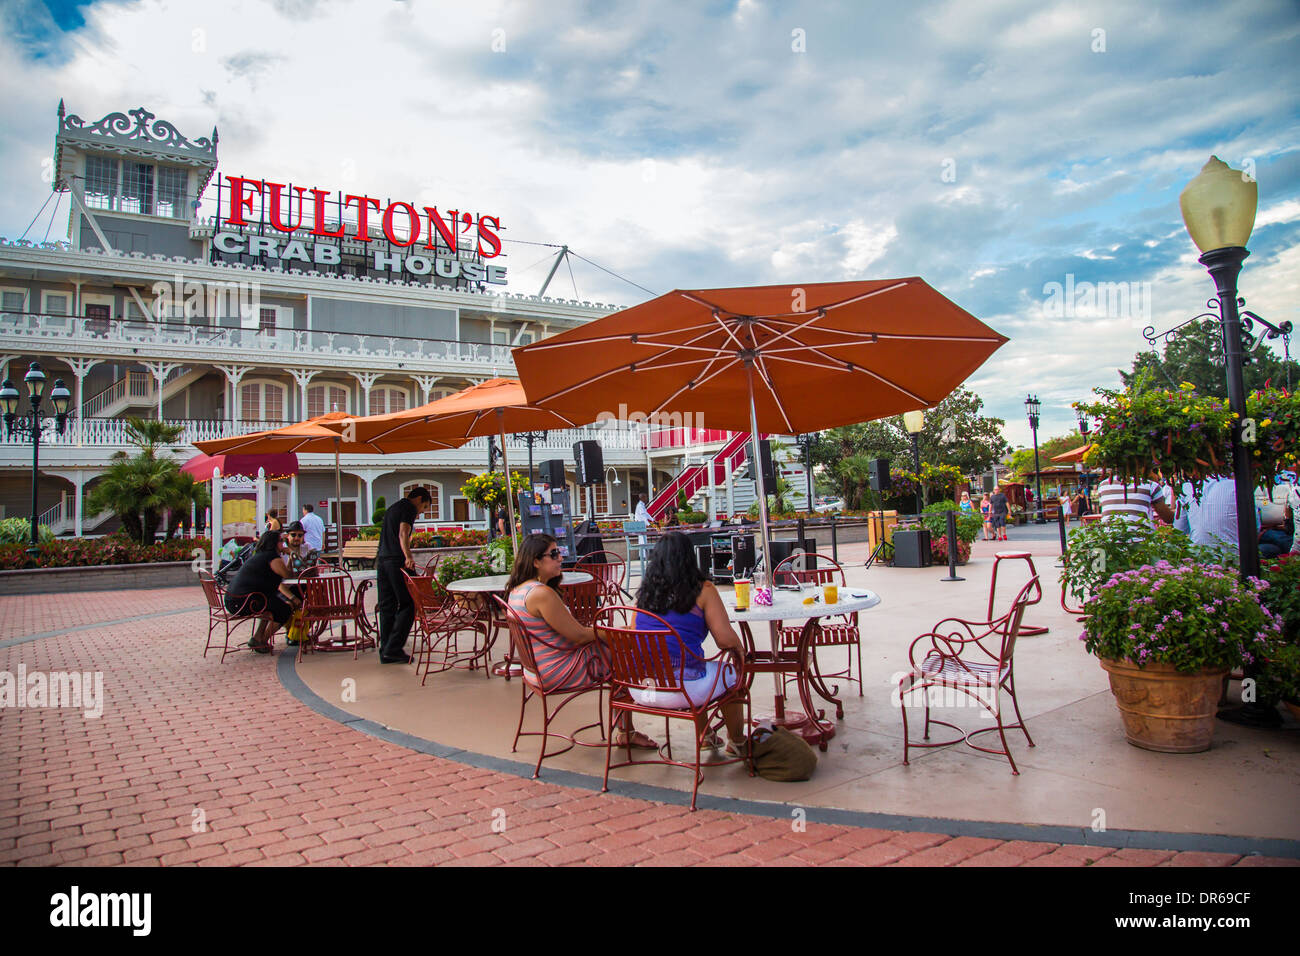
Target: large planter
{"points": [[1164, 709]]}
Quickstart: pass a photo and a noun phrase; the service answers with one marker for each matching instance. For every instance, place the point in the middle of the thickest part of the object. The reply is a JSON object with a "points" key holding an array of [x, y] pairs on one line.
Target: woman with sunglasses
{"points": [[568, 655]]}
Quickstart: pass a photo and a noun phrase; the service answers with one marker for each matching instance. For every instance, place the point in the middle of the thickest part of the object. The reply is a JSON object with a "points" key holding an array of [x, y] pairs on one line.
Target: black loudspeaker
{"points": [[912, 548], [765, 451], [588, 462], [551, 472], [879, 469], [742, 555]]}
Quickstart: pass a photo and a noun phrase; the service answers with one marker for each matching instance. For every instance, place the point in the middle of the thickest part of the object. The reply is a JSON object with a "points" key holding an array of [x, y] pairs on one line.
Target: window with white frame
{"points": [[602, 498], [13, 300], [261, 401], [434, 511], [387, 398], [56, 303], [151, 189], [101, 182], [327, 398], [266, 319]]}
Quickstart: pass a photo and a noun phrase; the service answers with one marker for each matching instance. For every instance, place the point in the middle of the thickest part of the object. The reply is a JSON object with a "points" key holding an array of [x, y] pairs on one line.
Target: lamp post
{"points": [[1084, 427], [914, 422], [530, 439], [1032, 405], [32, 424], [1219, 211], [807, 442]]}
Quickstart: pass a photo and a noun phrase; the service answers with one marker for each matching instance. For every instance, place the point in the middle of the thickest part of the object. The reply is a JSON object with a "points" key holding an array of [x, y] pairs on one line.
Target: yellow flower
{"points": [[1187, 386], [1187, 410], [1267, 421]]}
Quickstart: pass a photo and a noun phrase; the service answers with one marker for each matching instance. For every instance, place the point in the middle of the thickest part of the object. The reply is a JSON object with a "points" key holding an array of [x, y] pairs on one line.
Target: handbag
{"points": [[297, 632], [780, 755]]}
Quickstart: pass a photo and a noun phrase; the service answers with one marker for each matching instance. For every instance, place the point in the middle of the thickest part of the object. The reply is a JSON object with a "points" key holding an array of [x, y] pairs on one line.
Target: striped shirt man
{"points": [[1132, 502]]}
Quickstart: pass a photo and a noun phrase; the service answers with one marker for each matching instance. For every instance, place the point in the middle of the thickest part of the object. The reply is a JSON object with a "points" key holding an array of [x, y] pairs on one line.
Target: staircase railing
{"points": [[692, 479]]}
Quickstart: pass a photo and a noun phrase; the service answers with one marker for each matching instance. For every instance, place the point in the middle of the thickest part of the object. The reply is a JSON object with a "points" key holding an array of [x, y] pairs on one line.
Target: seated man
{"points": [[299, 557]]}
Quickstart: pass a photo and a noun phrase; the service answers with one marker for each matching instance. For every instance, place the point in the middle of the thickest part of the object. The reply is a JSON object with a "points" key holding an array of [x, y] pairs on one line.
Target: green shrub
{"points": [[1103, 548], [968, 525], [380, 509], [19, 531]]}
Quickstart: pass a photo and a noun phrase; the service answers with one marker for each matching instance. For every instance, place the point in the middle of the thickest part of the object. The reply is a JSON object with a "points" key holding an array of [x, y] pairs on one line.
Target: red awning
{"points": [[280, 465]]}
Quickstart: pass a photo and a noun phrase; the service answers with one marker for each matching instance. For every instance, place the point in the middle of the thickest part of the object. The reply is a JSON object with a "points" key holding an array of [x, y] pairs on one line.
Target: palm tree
{"points": [[140, 489]]}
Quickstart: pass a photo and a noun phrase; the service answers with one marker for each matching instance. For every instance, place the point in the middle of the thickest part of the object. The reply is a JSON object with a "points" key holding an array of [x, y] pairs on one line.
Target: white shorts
{"points": [[698, 689]]}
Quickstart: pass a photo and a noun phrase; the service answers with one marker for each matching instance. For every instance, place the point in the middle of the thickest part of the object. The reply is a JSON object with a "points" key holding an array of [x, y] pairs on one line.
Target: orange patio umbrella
{"points": [[781, 359], [494, 407], [1074, 454], [313, 437]]}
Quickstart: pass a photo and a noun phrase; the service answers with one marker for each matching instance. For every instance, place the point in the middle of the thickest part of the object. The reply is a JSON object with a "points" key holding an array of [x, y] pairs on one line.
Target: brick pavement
{"points": [[195, 762]]}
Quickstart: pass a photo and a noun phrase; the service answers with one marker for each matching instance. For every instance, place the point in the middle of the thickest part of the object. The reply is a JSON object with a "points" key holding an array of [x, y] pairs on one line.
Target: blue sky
{"points": [[991, 148]]}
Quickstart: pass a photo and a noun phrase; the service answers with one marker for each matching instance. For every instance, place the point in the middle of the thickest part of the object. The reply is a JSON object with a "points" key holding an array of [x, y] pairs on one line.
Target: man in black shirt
{"points": [[998, 517], [396, 609]]}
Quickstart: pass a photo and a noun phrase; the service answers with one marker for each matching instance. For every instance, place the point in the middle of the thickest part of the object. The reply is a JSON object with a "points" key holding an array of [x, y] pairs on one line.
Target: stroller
{"points": [[226, 573]]}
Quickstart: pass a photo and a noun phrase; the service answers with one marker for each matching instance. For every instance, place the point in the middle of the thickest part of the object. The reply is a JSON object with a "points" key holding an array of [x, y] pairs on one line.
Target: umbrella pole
{"points": [[762, 517], [338, 504], [510, 492]]}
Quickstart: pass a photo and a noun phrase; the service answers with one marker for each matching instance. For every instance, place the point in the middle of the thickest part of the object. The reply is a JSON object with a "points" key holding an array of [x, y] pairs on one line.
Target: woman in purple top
{"points": [[677, 590]]}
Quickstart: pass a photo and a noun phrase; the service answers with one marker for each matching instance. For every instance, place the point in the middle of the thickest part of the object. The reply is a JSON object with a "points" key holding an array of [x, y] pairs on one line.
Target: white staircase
{"points": [[137, 388], [61, 519]]}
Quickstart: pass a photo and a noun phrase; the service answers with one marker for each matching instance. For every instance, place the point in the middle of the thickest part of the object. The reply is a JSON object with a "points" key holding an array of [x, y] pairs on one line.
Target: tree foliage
{"points": [[1022, 459], [956, 433], [142, 488]]}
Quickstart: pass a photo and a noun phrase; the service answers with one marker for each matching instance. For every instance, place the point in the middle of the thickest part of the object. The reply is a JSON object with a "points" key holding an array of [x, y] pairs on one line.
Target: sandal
{"points": [[261, 648], [736, 748], [639, 741]]}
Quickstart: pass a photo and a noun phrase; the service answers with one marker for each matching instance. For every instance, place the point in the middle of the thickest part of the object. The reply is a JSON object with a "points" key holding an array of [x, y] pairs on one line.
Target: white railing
{"points": [[52, 517], [70, 330], [135, 384], [112, 433]]}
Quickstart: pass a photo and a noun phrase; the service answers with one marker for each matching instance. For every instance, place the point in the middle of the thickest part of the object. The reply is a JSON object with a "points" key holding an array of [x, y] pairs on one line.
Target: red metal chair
{"points": [[974, 659], [431, 566], [584, 600], [838, 631], [640, 661], [329, 598], [530, 686], [606, 566], [438, 623], [253, 609]]}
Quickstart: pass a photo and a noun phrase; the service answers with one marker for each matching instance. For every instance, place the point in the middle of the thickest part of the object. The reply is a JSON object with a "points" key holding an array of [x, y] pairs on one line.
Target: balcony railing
{"points": [[111, 433], [39, 329]]}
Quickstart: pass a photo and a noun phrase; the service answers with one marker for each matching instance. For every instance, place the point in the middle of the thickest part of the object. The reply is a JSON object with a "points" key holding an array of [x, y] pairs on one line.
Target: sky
{"points": [[992, 148]]}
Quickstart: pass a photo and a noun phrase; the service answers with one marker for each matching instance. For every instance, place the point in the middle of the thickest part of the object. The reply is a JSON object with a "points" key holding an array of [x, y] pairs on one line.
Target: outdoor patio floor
{"points": [[1081, 773], [253, 761]]}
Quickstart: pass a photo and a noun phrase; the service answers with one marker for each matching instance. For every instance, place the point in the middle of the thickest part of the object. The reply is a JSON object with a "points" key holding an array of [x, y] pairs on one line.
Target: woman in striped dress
{"points": [[568, 655]]}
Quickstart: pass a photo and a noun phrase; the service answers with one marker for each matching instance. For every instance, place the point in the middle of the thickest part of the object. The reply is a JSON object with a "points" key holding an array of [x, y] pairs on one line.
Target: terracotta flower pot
{"points": [[1164, 709]]}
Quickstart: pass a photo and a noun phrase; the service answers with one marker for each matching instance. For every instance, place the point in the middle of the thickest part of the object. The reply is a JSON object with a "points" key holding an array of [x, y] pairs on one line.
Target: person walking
{"points": [[1000, 508], [313, 529], [396, 609], [986, 512]]}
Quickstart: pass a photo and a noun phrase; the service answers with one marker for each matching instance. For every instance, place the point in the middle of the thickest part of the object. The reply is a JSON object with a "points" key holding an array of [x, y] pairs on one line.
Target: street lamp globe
{"points": [[1219, 207], [9, 398], [35, 380], [59, 397], [914, 421]]}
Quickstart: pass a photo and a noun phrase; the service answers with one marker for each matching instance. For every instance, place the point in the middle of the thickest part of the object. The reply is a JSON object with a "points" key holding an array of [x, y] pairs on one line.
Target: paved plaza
{"points": [[261, 761]]}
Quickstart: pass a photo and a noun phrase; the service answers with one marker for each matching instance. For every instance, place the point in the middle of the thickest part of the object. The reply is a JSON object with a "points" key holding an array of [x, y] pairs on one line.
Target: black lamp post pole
{"points": [[1032, 404], [916, 466], [32, 424], [530, 439], [1224, 266]]}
